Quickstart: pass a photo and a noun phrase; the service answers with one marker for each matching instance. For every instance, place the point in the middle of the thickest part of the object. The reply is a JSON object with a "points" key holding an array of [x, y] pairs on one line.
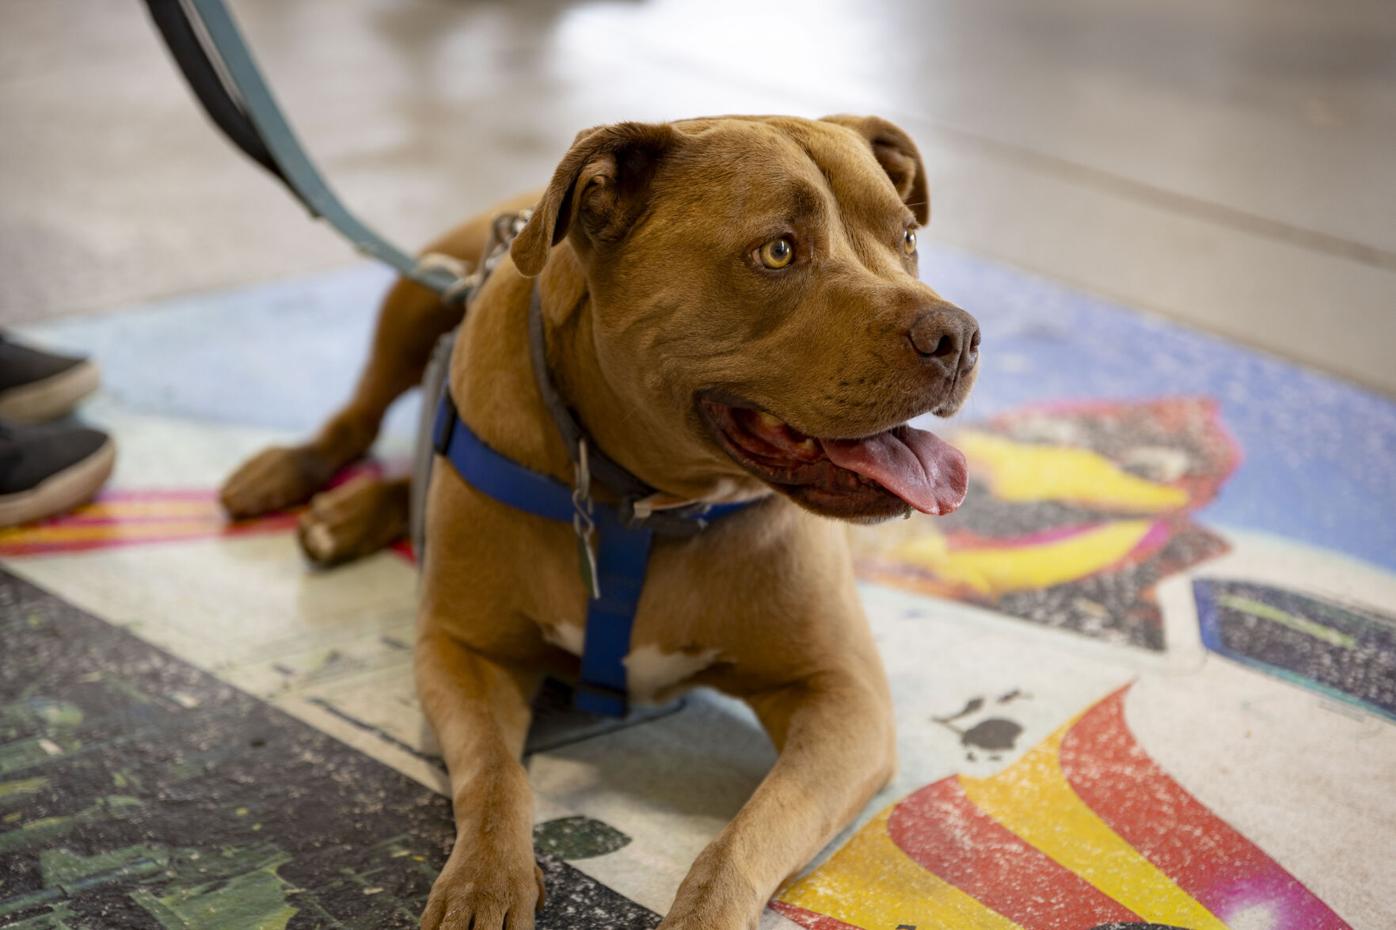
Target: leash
{"points": [[613, 541], [208, 47]]}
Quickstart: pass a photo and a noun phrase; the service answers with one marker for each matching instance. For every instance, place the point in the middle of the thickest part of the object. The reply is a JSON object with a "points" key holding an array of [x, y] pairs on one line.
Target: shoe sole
{"points": [[50, 398], [61, 491]]}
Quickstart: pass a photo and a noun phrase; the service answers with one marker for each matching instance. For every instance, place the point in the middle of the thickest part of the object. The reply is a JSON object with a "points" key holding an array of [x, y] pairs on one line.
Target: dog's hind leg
{"points": [[411, 321], [354, 520]]}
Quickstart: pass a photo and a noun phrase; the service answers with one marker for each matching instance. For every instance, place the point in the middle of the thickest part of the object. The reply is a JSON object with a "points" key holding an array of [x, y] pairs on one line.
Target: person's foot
{"points": [[37, 386], [46, 470]]}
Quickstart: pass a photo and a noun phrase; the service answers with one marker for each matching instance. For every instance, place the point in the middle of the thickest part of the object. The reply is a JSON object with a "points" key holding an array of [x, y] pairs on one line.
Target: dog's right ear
{"points": [[597, 192]]}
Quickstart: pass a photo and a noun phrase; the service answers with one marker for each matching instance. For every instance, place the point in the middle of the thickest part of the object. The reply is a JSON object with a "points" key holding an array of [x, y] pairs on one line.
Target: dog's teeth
{"points": [[807, 447], [768, 421]]}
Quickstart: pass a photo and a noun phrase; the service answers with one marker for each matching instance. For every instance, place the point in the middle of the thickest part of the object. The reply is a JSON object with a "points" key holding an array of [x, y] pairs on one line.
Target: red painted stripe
{"points": [[1211, 861], [941, 829], [809, 919]]}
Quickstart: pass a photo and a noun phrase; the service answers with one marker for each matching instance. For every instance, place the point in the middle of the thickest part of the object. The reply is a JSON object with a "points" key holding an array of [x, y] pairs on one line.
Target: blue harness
{"points": [[614, 571]]}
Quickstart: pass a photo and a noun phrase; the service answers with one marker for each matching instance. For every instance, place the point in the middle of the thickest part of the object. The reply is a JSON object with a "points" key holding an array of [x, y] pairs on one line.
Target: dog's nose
{"points": [[946, 337]]}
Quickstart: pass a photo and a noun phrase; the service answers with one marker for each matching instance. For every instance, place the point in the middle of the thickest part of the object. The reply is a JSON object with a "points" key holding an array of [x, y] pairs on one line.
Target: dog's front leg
{"points": [[480, 711], [837, 749]]}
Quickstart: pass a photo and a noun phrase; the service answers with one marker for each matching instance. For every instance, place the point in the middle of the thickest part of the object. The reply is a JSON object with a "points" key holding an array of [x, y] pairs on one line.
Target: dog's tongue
{"points": [[917, 466]]}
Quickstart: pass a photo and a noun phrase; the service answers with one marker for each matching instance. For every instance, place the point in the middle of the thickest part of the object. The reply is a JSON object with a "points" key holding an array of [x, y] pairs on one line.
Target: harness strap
{"points": [[612, 475], [682, 521], [622, 559], [621, 565]]}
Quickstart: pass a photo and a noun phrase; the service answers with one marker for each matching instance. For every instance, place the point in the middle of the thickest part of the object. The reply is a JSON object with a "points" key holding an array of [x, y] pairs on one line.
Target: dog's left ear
{"points": [[898, 156], [597, 192]]}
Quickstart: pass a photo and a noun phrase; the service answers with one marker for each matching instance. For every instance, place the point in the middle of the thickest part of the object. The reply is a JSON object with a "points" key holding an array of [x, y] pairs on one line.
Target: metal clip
{"points": [[584, 525]]}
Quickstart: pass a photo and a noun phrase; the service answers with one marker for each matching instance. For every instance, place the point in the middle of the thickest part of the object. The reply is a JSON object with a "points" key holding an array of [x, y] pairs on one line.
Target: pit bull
{"points": [[731, 309]]}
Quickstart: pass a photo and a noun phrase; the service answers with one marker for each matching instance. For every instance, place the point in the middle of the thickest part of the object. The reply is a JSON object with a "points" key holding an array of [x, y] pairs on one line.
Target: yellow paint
{"points": [[108, 532], [1023, 472], [127, 509], [1293, 621], [1033, 799], [994, 570], [870, 883]]}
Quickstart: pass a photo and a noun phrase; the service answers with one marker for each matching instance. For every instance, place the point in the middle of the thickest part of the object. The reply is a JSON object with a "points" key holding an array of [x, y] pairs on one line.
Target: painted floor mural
{"points": [[141, 792], [1145, 678], [1084, 830]]}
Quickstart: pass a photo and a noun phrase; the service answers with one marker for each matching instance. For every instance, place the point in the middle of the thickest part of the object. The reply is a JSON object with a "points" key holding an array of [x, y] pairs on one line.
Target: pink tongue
{"points": [[917, 466]]}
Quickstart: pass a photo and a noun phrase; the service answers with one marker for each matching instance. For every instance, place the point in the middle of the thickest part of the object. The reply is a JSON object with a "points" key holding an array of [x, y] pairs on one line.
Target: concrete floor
{"points": [[1227, 165]]}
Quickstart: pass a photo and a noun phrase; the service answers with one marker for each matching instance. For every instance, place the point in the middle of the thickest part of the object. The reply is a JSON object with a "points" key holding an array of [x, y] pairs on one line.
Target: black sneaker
{"points": [[39, 386], [46, 470]]}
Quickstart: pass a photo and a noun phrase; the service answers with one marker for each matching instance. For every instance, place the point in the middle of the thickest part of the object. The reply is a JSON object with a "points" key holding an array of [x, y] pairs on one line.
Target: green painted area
{"points": [[23, 754], [21, 786], [56, 713], [252, 900], [1285, 618], [577, 838], [60, 918], [41, 712], [67, 875], [63, 867], [48, 829]]}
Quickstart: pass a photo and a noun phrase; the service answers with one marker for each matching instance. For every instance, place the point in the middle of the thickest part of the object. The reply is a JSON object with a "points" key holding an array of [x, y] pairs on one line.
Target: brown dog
{"points": [[732, 309]]}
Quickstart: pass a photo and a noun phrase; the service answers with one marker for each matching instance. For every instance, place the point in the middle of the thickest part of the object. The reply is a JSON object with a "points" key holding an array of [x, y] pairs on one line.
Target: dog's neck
{"points": [[654, 445]]}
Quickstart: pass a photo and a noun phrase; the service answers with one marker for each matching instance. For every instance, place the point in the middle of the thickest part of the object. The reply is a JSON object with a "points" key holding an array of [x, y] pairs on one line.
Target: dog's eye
{"points": [[909, 242], [778, 253]]}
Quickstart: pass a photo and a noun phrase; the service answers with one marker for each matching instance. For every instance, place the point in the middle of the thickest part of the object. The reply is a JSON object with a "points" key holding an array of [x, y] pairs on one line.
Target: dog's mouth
{"points": [[871, 477]]}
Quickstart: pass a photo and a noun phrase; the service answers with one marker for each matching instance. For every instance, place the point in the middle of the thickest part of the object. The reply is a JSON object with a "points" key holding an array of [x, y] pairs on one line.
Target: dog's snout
{"points": [[946, 337]]}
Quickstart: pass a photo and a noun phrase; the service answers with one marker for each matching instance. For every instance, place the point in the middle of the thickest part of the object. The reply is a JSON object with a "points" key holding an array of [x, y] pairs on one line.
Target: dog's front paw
{"points": [[715, 895], [353, 520], [274, 479], [480, 892], [710, 921]]}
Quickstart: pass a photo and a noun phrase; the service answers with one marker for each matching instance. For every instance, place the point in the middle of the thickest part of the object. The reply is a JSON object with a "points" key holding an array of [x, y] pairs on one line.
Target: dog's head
{"points": [[754, 298]]}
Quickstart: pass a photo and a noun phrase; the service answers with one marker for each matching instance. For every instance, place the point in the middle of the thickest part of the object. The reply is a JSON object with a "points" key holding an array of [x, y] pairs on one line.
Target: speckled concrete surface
{"points": [[1206, 743]]}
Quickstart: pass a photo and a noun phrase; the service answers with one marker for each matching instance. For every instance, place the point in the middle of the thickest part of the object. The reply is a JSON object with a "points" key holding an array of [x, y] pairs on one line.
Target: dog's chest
{"points": [[648, 669]]}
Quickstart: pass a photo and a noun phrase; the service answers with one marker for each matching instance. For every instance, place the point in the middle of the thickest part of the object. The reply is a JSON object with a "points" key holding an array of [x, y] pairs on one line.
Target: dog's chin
{"points": [[862, 479], [865, 505]]}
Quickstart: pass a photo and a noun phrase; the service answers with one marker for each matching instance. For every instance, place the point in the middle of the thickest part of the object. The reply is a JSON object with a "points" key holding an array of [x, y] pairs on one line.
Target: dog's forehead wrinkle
{"points": [[749, 171]]}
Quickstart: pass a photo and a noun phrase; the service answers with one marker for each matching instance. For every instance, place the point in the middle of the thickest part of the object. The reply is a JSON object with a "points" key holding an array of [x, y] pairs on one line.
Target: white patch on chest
{"points": [[567, 636], [648, 669]]}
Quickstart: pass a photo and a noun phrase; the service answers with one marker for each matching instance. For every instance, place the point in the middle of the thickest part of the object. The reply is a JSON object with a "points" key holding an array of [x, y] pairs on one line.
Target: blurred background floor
{"points": [[1226, 165]]}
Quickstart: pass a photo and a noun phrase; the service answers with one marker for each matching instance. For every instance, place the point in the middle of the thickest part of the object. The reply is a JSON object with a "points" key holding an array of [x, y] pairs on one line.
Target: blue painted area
{"points": [[1341, 651], [281, 354], [1320, 455]]}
